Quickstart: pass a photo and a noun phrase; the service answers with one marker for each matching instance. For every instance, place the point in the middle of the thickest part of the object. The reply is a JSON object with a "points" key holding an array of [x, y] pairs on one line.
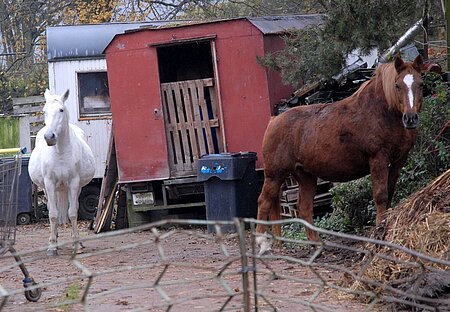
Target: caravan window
{"points": [[93, 94]]}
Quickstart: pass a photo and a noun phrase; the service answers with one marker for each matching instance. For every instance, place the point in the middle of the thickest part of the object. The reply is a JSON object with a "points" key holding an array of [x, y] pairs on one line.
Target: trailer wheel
{"points": [[33, 295], [88, 201], [23, 218]]}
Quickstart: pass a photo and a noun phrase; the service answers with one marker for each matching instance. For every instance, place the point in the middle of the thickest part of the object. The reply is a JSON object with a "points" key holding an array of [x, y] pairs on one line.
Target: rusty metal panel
{"points": [[138, 126], [246, 92]]}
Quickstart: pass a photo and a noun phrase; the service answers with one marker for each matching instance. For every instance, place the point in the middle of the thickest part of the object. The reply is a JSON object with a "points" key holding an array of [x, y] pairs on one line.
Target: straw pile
{"points": [[422, 224]]}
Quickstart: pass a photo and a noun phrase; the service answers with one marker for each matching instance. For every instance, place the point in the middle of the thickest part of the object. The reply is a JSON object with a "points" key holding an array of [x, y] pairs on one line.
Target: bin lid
{"points": [[229, 155], [225, 166]]}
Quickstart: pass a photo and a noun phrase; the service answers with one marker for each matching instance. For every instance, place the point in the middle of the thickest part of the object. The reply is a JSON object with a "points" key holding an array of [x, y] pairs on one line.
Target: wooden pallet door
{"points": [[191, 119]]}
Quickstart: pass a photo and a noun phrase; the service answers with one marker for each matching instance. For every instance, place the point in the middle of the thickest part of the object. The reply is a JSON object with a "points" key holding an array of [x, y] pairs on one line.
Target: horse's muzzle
{"points": [[50, 138], [410, 121]]}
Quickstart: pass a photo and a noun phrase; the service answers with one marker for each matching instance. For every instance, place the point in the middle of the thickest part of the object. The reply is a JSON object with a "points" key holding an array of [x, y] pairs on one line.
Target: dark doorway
{"points": [[187, 61]]}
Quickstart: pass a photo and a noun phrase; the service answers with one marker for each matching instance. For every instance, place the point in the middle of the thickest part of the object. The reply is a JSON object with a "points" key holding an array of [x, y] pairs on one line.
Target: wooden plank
{"points": [[209, 82], [167, 122], [188, 90], [190, 112], [36, 118], [24, 132], [198, 122], [215, 111], [212, 95], [184, 144], [28, 100], [214, 123], [205, 114], [307, 88], [173, 136], [108, 186], [27, 109], [167, 117], [31, 106], [177, 143], [34, 129], [107, 210]]}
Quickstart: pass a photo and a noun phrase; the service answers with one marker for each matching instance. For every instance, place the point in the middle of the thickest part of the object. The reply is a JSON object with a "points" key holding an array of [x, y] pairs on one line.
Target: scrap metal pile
{"points": [[337, 88]]}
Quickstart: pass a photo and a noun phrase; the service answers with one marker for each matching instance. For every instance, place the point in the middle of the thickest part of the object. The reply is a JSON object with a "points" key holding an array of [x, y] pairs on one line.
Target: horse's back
{"points": [[335, 141], [85, 155], [34, 163], [312, 138], [295, 127]]}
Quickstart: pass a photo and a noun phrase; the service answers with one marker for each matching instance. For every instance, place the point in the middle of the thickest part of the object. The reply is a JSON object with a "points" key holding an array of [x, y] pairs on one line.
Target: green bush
{"points": [[430, 156], [295, 231], [353, 206], [16, 85]]}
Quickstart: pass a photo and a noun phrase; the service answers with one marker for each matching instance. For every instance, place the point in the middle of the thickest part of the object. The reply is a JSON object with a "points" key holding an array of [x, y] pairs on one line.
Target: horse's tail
{"points": [[62, 203]]}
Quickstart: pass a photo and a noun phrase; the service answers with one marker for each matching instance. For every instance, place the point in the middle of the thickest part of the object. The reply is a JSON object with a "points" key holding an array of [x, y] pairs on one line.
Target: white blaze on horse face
{"points": [[408, 80]]}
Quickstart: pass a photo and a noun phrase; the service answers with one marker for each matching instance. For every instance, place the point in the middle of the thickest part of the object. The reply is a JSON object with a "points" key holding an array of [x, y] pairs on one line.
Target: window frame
{"points": [[86, 114]]}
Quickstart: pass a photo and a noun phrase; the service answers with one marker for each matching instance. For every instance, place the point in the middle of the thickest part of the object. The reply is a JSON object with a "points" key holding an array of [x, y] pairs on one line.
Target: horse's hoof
{"points": [[265, 252], [77, 251], [265, 244], [77, 248], [52, 252]]}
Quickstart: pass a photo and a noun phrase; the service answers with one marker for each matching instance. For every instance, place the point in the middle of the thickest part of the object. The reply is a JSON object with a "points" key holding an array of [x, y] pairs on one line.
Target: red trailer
{"points": [[189, 89]]}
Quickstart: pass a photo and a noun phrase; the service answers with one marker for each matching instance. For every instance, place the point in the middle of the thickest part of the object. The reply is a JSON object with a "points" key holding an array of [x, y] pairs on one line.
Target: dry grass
{"points": [[422, 224]]}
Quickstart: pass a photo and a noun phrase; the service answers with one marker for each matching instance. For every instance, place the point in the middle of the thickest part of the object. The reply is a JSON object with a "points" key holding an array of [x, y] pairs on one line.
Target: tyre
{"points": [[88, 202], [33, 295], [23, 218]]}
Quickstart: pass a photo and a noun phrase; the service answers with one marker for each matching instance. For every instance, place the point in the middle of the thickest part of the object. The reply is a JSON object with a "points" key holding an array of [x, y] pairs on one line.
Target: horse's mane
{"points": [[387, 74]]}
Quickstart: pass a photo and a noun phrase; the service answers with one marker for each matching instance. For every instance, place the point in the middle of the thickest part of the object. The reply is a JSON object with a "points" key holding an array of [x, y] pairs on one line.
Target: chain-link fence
{"points": [[175, 265]]}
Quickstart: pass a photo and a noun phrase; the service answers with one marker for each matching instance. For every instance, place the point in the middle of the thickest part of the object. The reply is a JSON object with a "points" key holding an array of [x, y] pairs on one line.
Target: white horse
{"points": [[61, 163]]}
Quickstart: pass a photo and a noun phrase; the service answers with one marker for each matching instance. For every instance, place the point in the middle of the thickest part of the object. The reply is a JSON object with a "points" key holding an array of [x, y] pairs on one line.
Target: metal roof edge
{"points": [[276, 24], [86, 40], [284, 23]]}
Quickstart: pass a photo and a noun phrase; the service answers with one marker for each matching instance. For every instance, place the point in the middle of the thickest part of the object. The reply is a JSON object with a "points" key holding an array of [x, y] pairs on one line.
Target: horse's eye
{"points": [[397, 86], [61, 110]]}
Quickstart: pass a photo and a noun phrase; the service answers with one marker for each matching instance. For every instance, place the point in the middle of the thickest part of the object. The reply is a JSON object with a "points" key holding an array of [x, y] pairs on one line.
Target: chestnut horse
{"points": [[371, 131]]}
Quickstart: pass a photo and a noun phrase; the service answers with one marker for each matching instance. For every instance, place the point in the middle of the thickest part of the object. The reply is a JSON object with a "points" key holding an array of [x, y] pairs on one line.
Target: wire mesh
{"points": [[9, 184], [176, 265]]}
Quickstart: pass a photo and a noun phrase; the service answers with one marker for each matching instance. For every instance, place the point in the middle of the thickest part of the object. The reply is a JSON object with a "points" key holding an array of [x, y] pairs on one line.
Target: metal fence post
{"points": [[240, 229]]}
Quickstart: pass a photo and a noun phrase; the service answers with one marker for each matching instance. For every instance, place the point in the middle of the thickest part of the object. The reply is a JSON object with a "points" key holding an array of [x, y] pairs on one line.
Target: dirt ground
{"points": [[135, 271]]}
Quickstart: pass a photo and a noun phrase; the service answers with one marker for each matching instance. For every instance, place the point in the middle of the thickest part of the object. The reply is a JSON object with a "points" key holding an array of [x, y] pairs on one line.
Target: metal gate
{"points": [[191, 119]]}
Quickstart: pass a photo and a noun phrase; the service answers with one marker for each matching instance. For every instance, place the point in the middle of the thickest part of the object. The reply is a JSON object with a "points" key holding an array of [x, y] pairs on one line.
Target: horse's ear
{"points": [[46, 94], [418, 63], [399, 64], [65, 96]]}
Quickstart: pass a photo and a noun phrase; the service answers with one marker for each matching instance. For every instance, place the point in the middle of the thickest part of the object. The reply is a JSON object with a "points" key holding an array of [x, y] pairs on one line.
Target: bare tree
{"points": [[22, 25]]}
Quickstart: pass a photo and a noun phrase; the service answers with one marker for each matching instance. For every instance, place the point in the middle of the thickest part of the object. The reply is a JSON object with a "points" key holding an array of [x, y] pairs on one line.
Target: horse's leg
{"points": [[379, 173], [74, 192], [275, 213], [268, 204], [50, 191], [305, 202], [394, 174]]}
